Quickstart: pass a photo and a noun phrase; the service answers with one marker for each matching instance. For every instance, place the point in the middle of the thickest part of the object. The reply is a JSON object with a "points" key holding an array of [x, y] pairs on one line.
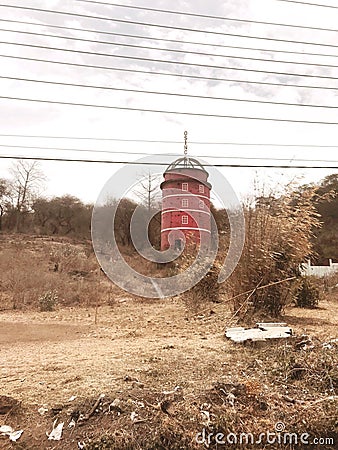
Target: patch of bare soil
{"points": [[151, 376]]}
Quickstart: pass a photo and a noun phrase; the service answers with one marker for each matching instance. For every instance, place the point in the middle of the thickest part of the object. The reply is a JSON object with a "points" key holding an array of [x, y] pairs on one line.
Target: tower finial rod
{"points": [[185, 143]]}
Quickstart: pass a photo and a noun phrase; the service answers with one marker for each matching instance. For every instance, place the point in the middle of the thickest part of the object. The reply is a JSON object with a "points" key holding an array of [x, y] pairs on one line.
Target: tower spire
{"points": [[185, 144]]}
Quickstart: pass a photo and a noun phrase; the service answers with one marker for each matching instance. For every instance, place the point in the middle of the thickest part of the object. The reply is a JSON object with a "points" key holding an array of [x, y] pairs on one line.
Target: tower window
{"points": [[184, 186], [185, 203], [201, 188], [184, 220], [201, 204]]}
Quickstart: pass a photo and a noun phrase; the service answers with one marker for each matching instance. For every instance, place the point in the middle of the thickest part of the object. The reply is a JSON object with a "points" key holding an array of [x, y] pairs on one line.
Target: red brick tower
{"points": [[185, 203]]}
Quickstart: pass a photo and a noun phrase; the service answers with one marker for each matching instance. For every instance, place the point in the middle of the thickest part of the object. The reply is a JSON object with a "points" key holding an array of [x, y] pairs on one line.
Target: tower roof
{"points": [[185, 163]]}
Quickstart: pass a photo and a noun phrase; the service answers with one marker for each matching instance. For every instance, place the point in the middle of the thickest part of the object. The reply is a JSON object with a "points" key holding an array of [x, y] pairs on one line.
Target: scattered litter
{"points": [[56, 433], [133, 416], [42, 410], [177, 388], [15, 435], [84, 417], [331, 344], [262, 332], [72, 424], [206, 415], [115, 406], [305, 343], [137, 403], [72, 398], [81, 445], [6, 430], [231, 399], [128, 378]]}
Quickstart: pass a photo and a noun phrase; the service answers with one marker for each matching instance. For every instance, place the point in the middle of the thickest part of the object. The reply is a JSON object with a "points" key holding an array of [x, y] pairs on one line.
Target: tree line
{"points": [[23, 209]]}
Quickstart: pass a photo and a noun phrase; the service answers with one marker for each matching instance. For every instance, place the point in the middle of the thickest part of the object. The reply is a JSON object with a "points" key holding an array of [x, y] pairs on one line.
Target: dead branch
{"points": [[244, 303], [84, 418], [261, 287]]}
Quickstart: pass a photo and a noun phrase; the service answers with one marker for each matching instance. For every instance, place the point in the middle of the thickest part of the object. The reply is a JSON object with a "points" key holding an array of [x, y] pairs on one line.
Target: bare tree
{"points": [[27, 181], [147, 190], [5, 194]]}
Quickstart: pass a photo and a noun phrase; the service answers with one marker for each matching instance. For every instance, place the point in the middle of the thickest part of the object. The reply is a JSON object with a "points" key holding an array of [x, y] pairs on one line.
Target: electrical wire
{"points": [[167, 61], [150, 72], [136, 36], [309, 4], [255, 158], [125, 108], [37, 158], [171, 50], [205, 16], [174, 94], [153, 141], [169, 27]]}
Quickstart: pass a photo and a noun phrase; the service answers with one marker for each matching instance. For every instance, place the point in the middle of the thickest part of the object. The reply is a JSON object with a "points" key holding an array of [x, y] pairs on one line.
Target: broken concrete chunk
{"points": [[262, 332]]}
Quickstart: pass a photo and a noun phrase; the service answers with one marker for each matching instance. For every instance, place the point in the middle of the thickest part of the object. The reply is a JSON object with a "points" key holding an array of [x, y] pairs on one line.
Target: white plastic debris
{"points": [[6, 430], [42, 410], [133, 416], [81, 445], [15, 435], [115, 403], [177, 388], [206, 417], [231, 399], [72, 424], [56, 433], [331, 344], [72, 398]]}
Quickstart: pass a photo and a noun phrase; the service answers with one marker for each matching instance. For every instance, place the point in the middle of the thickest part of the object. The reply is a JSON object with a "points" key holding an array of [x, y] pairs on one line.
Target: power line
{"points": [[153, 141], [36, 158], [254, 158], [205, 16], [124, 108], [174, 94], [311, 4], [151, 72], [123, 44], [136, 36], [146, 24], [167, 61]]}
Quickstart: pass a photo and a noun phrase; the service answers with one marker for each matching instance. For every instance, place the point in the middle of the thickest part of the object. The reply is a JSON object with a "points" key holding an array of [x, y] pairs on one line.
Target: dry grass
{"points": [[139, 352], [30, 267], [278, 240]]}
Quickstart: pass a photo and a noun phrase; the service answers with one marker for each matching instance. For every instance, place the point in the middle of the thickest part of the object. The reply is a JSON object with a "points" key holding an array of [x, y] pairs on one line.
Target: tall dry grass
{"points": [[278, 240], [31, 268]]}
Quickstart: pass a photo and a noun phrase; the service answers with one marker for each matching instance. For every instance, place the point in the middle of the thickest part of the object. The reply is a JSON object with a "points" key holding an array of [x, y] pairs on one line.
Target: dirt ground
{"points": [[136, 351]]}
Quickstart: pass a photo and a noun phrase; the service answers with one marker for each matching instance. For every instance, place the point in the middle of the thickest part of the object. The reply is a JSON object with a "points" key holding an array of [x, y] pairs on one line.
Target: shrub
{"points": [[48, 301], [278, 239], [309, 294]]}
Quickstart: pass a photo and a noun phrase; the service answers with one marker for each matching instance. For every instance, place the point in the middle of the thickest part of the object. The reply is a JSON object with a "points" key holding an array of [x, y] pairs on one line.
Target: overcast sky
{"points": [[86, 180]]}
